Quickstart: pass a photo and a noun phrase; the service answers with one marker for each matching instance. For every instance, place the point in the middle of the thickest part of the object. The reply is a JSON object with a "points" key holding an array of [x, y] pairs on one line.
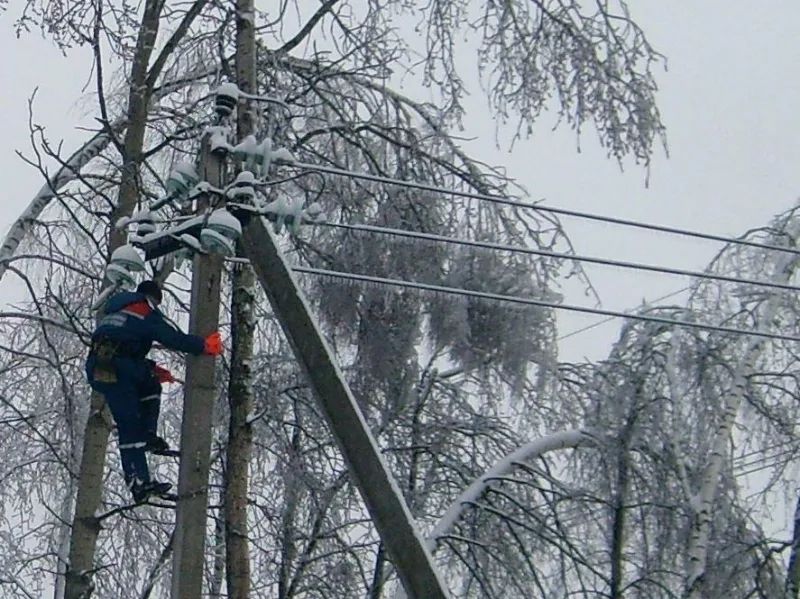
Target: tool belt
{"points": [[108, 349], [105, 351]]}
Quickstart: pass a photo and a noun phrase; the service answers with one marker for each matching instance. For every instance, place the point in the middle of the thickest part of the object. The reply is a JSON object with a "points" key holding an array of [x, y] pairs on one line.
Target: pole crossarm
{"points": [[378, 488]]}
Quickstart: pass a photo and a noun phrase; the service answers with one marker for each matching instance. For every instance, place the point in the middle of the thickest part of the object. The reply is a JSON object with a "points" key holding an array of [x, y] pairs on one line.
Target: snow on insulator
{"points": [[127, 257], [242, 189], [242, 195], [278, 206], [286, 211], [255, 156], [177, 185], [244, 178], [217, 243], [265, 159], [247, 147], [119, 275], [191, 242], [313, 211], [182, 178], [218, 139], [225, 223], [227, 96], [123, 222], [282, 155], [145, 223]]}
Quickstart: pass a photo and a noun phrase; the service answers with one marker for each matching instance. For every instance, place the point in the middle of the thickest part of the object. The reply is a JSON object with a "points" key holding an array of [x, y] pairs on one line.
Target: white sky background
{"points": [[729, 101]]}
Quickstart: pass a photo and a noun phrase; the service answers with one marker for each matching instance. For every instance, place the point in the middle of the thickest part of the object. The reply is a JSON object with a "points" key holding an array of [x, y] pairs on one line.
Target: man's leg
{"points": [[149, 390], [123, 402]]}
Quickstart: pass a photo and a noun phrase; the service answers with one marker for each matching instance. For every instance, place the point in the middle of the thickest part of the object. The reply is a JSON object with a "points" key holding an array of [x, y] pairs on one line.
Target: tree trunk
{"points": [[792, 588], [86, 528], [218, 567], [618, 517], [240, 392], [239, 435]]}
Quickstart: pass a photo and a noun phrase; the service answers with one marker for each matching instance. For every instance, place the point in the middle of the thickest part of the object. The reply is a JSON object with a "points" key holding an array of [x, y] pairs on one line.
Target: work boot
{"points": [[156, 444], [141, 492]]}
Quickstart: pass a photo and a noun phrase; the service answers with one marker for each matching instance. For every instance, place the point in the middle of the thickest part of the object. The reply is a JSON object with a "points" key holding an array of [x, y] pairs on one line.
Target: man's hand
{"points": [[213, 344], [163, 375]]}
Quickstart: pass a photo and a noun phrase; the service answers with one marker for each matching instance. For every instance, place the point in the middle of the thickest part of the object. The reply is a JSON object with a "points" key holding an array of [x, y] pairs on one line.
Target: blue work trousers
{"points": [[133, 395]]}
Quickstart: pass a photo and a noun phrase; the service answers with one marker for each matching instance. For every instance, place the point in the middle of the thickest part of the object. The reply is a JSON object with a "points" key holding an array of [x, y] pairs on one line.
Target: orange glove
{"points": [[163, 375], [213, 344]]}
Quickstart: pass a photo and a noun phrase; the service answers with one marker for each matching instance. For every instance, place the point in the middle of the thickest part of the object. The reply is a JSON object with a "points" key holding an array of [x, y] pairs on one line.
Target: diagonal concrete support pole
{"points": [[381, 494]]}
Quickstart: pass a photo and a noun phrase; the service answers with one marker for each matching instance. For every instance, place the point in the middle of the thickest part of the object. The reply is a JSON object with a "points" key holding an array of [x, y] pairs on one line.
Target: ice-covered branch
{"points": [[68, 172], [561, 440]]}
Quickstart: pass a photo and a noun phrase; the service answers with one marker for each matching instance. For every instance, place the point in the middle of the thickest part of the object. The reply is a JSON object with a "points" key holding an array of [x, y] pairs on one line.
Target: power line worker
{"points": [[118, 368]]}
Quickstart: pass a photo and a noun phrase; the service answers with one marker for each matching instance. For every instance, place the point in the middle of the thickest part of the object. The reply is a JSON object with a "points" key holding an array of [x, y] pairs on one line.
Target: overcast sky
{"points": [[729, 101]]}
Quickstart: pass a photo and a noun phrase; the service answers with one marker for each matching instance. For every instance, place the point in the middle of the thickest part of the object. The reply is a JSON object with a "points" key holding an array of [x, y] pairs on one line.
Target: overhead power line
{"points": [[536, 302], [560, 255], [541, 208]]}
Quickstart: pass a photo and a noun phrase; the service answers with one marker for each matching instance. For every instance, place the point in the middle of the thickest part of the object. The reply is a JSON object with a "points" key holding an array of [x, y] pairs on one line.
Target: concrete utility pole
{"points": [[198, 406], [381, 494]]}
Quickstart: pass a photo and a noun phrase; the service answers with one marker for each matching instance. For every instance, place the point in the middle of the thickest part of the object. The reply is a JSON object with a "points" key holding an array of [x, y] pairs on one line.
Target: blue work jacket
{"points": [[135, 325]]}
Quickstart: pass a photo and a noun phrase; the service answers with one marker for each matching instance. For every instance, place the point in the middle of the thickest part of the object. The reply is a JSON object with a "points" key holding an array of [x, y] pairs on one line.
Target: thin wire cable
{"points": [[560, 255], [759, 469], [610, 318], [749, 454], [774, 458], [536, 206], [536, 302]]}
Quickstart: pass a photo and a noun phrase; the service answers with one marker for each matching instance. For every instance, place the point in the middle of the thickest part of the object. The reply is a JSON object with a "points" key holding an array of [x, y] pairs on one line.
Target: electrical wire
{"points": [[747, 455], [560, 255], [610, 318], [541, 208], [773, 458], [537, 302]]}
